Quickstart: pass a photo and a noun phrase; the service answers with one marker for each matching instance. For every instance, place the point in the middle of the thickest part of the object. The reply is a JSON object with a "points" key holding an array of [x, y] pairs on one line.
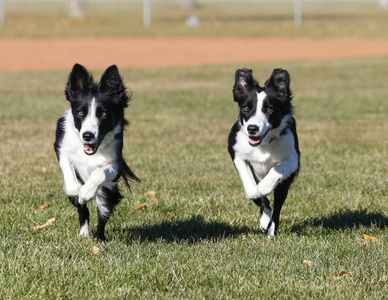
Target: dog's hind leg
{"points": [[265, 211], [280, 195], [106, 201], [83, 215]]}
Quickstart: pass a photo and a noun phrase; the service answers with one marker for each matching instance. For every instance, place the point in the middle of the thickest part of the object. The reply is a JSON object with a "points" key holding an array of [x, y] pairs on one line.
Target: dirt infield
{"points": [[138, 52]]}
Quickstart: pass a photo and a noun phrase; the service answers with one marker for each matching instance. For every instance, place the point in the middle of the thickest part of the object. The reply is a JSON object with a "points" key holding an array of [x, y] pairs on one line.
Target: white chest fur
{"points": [[72, 148], [264, 157]]}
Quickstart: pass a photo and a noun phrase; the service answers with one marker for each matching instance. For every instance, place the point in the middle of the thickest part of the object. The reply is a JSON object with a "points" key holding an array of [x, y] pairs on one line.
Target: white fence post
{"points": [[2, 12], [297, 13], [147, 13]]}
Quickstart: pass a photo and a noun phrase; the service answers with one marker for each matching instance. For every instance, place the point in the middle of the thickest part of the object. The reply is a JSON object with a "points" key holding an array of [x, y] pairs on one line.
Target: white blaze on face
{"points": [[90, 123], [259, 118]]}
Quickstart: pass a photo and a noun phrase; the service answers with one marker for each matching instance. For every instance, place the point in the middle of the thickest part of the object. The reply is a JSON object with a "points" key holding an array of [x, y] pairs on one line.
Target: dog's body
{"points": [[89, 142], [263, 142]]}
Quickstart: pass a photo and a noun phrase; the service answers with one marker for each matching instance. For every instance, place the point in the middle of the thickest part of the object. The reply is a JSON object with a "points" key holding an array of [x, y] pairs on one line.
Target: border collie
{"points": [[89, 143], [263, 142]]}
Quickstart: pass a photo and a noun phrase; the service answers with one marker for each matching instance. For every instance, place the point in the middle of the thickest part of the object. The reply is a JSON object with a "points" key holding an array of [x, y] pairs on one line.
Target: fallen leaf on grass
{"points": [[370, 238], [382, 279], [141, 206], [96, 250], [48, 223], [150, 193], [342, 274], [170, 219], [308, 262], [51, 247], [154, 200], [44, 206]]}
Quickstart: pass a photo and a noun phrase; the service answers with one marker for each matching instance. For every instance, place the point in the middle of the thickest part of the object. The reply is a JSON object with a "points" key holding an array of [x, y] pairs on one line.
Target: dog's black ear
{"points": [[80, 82], [244, 80], [279, 82], [111, 80], [112, 84]]}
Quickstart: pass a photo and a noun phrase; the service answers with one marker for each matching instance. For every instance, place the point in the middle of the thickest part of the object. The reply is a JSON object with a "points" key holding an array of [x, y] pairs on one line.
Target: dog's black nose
{"points": [[253, 129], [88, 136]]}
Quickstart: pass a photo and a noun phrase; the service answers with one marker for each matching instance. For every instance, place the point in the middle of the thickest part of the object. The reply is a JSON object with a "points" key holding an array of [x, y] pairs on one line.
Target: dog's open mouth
{"points": [[90, 149], [257, 140]]}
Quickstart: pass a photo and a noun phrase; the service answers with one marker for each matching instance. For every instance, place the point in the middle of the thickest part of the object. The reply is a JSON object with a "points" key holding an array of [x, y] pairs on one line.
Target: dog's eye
{"points": [[103, 114], [247, 109], [268, 110], [81, 113]]}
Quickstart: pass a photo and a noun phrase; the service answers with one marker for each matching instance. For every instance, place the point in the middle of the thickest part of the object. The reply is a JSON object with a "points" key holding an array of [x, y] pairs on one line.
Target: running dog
{"points": [[263, 143], [89, 143]]}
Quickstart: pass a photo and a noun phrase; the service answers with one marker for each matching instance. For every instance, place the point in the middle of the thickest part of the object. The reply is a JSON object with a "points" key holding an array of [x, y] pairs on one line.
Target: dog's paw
{"points": [[253, 193], [271, 231], [264, 189], [72, 189], [84, 230], [265, 218], [87, 193]]}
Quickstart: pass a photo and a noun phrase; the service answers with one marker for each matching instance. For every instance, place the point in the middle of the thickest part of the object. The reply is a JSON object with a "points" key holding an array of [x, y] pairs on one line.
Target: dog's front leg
{"points": [[277, 174], [265, 187], [249, 183], [71, 185], [99, 176], [252, 191]]}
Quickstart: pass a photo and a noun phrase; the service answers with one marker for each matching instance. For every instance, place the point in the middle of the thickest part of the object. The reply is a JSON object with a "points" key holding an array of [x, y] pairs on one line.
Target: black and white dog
{"points": [[263, 142], [89, 143]]}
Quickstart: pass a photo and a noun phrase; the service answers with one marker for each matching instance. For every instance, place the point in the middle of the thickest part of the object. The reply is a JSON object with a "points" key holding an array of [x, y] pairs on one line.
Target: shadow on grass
{"points": [[344, 219], [193, 230]]}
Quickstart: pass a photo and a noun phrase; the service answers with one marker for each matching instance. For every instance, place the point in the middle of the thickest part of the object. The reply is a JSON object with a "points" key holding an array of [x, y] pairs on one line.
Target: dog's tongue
{"points": [[254, 140], [90, 148]]}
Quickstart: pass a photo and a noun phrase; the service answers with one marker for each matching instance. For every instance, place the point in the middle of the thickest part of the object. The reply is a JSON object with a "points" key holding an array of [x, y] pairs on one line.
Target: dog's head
{"points": [[97, 108], [262, 109]]}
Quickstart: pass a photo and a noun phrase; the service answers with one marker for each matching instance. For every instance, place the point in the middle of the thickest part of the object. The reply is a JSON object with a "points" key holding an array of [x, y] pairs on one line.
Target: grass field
{"points": [[320, 20], [201, 238]]}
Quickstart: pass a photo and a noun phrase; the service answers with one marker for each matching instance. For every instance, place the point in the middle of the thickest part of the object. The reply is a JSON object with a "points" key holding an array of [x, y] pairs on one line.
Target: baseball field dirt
{"points": [[143, 52]]}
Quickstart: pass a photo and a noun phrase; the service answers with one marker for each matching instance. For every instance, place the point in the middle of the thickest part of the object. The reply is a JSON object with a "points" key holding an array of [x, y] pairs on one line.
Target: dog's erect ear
{"points": [[80, 82], [244, 80], [279, 82], [112, 84], [111, 80]]}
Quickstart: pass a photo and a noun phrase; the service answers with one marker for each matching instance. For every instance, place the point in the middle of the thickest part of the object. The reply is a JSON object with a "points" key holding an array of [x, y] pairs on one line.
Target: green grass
{"points": [[320, 20], [201, 238], [212, 248]]}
